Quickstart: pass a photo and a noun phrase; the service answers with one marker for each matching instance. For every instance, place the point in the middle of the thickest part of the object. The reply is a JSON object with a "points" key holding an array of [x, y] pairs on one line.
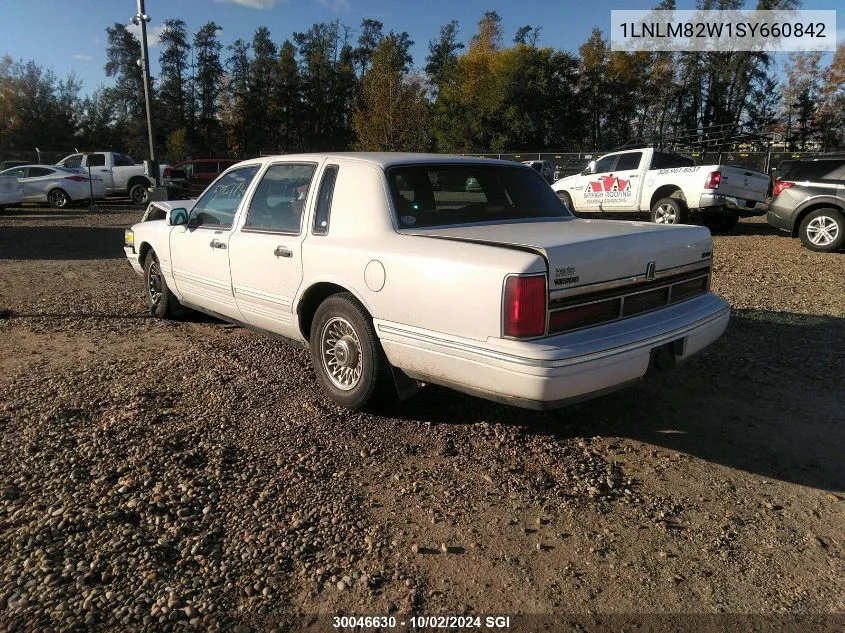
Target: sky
{"points": [[70, 37]]}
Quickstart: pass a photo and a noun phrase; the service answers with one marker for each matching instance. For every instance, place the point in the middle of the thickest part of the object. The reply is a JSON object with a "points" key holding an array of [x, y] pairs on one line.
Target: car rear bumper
{"points": [[731, 204], [552, 372], [781, 217]]}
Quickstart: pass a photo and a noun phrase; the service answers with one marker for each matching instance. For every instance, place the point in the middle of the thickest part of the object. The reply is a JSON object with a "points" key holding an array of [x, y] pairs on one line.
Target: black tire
{"points": [[823, 230], [162, 303], [721, 223], [348, 359], [669, 211], [58, 199], [567, 200], [139, 194]]}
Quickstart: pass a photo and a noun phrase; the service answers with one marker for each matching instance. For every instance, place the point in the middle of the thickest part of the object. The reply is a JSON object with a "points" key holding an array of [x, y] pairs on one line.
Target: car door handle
{"points": [[281, 251], [634, 176], [215, 243]]}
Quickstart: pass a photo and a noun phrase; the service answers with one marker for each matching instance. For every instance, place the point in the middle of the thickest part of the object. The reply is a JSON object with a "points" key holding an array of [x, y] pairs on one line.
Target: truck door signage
{"points": [[608, 188]]}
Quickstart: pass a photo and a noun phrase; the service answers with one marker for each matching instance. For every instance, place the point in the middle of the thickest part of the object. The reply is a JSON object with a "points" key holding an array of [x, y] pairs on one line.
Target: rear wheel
{"points": [[348, 360], [139, 194], [823, 230], [58, 199], [669, 211]]}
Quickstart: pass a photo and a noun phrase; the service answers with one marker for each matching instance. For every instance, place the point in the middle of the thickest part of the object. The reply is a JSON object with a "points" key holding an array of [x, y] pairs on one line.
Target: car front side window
{"points": [[216, 208]]}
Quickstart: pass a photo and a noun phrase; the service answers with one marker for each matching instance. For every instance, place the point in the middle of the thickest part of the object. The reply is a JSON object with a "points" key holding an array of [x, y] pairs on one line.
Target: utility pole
{"points": [[141, 18]]}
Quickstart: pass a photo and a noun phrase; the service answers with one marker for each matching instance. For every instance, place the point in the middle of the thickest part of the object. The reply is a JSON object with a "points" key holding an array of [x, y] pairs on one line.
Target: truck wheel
{"points": [[669, 211], [58, 199], [348, 359], [823, 230], [139, 194], [565, 199], [721, 223], [162, 303]]}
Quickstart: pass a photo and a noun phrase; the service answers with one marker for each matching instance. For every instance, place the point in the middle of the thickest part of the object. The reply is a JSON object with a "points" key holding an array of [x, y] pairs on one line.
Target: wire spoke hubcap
{"points": [[822, 230], [340, 350], [154, 284]]}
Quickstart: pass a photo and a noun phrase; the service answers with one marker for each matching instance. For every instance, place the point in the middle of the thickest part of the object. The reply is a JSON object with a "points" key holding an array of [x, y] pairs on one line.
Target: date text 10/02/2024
{"points": [[422, 622]]}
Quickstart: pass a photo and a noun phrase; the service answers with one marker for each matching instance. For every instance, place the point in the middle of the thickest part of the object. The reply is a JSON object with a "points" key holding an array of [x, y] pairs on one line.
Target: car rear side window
{"points": [[216, 208], [280, 198], [818, 171], [324, 201], [666, 160], [629, 161], [37, 172]]}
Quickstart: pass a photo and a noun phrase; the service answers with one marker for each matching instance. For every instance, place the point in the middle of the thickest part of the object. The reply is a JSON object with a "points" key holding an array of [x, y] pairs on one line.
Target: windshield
{"points": [[442, 195]]}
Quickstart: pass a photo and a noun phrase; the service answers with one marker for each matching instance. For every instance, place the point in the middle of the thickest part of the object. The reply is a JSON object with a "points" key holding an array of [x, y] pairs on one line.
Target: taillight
{"points": [[780, 185], [77, 178], [525, 306], [713, 180], [166, 173]]}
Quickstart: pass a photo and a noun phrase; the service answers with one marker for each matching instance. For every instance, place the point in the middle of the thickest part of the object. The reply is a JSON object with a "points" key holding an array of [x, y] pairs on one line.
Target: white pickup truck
{"points": [[669, 186], [120, 174]]}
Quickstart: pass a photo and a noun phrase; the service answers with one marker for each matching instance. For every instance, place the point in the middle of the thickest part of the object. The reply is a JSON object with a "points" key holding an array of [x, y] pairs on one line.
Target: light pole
{"points": [[141, 18]]}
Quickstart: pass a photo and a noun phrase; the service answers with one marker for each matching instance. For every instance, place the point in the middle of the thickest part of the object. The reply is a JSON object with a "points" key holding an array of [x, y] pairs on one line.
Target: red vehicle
{"points": [[190, 178]]}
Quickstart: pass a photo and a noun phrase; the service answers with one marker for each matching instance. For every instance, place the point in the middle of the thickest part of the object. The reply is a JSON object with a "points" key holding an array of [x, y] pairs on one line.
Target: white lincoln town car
{"points": [[463, 272]]}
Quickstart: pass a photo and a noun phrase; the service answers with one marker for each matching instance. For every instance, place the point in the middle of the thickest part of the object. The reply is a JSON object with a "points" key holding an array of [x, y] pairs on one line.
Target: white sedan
{"points": [[11, 191], [57, 186], [397, 268]]}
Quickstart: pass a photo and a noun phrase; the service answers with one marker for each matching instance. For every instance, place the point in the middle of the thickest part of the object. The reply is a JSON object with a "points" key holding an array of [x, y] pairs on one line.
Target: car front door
{"points": [[590, 185], [265, 253], [623, 184], [20, 174], [199, 251]]}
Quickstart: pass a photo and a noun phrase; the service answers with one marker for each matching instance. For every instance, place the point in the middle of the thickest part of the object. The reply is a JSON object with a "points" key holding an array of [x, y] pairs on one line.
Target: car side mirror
{"points": [[177, 217], [590, 169]]}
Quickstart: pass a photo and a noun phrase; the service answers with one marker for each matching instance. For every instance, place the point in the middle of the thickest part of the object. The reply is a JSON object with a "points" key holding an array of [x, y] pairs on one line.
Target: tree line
{"points": [[335, 88]]}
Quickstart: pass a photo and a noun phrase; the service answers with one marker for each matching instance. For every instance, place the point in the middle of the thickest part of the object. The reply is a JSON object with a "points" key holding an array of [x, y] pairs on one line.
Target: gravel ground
{"points": [[189, 475]]}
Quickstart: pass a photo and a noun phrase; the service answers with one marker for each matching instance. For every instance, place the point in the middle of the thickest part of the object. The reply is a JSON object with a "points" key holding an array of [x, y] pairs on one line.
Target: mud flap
{"points": [[406, 387]]}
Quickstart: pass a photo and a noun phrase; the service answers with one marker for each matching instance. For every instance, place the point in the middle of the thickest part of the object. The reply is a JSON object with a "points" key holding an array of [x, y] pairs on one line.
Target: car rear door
{"points": [[265, 253], [199, 255], [97, 168]]}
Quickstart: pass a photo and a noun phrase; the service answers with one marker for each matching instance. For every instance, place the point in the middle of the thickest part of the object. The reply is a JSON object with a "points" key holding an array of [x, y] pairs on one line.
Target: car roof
{"points": [[383, 159]]}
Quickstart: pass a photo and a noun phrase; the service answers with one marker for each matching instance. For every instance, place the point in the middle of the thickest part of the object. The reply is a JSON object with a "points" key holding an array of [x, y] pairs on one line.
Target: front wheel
{"points": [[669, 211], [58, 199], [139, 194], [566, 200], [823, 230], [161, 302], [348, 360]]}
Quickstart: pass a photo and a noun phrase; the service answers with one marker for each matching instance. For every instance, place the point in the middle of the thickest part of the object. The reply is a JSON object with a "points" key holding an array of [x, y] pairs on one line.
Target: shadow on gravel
{"points": [[766, 398], [61, 242]]}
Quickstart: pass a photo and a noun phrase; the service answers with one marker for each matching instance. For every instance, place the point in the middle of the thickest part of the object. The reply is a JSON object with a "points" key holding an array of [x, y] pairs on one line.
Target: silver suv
{"points": [[809, 202]]}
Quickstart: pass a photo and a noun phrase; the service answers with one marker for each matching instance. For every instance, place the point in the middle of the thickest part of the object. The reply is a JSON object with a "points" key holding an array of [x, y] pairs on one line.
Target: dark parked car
{"points": [[809, 202], [190, 178]]}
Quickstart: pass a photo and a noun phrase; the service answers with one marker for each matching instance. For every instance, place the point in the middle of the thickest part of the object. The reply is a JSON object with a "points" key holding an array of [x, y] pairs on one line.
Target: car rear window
{"points": [[442, 195]]}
